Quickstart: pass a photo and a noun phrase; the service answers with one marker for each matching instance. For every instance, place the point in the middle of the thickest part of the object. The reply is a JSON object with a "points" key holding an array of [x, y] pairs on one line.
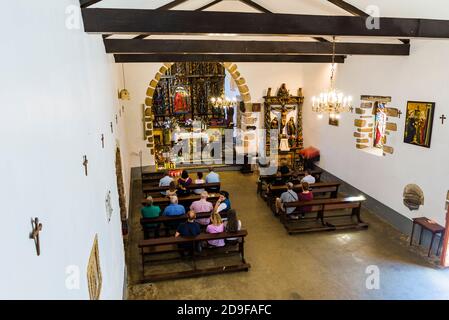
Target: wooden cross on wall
{"points": [[399, 113], [443, 117], [37, 227], [85, 163]]}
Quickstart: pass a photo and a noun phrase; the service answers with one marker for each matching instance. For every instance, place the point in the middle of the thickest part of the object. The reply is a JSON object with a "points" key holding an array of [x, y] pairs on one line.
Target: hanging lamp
{"points": [[332, 101], [124, 93]]}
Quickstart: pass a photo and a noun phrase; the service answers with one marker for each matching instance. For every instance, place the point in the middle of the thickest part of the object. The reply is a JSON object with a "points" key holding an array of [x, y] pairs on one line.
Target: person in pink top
{"points": [[216, 226], [202, 205]]}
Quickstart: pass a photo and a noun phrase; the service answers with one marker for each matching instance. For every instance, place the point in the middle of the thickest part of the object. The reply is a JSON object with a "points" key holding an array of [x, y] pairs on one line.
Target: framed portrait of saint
{"points": [[419, 123]]}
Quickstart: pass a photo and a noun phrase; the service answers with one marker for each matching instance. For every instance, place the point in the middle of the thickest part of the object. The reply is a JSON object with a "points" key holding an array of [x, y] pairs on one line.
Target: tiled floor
{"points": [[307, 266]]}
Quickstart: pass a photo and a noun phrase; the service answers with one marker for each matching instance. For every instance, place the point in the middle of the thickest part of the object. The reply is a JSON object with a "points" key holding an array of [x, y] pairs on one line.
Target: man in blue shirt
{"points": [[212, 177], [174, 209], [189, 229], [165, 182]]}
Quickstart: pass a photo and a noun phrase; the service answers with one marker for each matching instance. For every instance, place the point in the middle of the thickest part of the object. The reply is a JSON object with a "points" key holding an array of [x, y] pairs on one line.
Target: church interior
{"points": [[225, 150]]}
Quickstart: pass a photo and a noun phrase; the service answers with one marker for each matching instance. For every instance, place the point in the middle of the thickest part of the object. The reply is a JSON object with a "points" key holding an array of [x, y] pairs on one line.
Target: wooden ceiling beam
{"points": [[142, 58], [256, 6], [135, 21], [349, 8], [251, 47], [357, 12], [88, 3], [171, 5], [209, 5]]}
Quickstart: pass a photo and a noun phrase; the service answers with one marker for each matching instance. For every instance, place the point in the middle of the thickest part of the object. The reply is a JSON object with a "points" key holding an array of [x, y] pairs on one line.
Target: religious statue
{"points": [[291, 127], [283, 119], [274, 123], [381, 121], [159, 102], [181, 103], [283, 92]]}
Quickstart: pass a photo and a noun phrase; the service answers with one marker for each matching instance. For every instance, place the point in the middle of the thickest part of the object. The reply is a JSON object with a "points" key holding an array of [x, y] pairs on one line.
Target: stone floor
{"points": [[306, 266]]}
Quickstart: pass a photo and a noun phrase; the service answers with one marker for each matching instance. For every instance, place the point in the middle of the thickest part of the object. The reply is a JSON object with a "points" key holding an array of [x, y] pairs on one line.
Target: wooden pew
{"points": [[151, 247], [325, 218], [152, 176], [182, 200], [165, 221], [149, 189], [321, 189], [270, 179]]}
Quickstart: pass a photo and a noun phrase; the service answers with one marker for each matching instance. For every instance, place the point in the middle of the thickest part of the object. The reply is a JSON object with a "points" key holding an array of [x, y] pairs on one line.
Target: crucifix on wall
{"points": [[443, 118], [85, 163], [37, 228]]}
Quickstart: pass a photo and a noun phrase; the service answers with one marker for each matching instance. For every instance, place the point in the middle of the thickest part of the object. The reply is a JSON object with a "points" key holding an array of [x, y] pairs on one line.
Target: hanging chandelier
{"points": [[331, 102], [223, 102]]}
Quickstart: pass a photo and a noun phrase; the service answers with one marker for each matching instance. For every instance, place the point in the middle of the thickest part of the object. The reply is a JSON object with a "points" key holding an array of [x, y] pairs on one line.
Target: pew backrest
{"points": [[181, 218], [201, 237]]}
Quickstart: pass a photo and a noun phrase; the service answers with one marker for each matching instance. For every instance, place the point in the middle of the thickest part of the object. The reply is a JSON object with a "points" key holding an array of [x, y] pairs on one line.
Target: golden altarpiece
{"points": [[283, 112]]}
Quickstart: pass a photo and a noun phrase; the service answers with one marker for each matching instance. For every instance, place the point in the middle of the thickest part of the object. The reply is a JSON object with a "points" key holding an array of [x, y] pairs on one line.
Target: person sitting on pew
{"points": [[188, 229], [223, 203], [287, 196], [183, 182], [199, 180], [308, 177], [305, 195], [284, 169], [174, 209], [202, 205], [295, 177], [172, 190], [212, 177], [151, 211], [165, 182], [216, 226], [232, 224], [278, 180]]}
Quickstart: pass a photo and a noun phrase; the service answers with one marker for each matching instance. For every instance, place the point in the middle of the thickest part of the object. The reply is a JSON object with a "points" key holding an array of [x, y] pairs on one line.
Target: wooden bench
{"points": [[186, 201], [269, 179], [151, 247], [151, 177], [320, 189], [171, 220], [151, 189], [326, 219]]}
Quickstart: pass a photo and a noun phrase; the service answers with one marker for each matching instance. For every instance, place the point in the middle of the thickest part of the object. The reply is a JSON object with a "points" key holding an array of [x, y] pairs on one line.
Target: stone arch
{"points": [[233, 71]]}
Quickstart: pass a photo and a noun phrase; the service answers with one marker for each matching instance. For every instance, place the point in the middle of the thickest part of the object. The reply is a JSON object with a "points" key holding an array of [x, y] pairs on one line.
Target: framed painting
{"points": [[333, 121], [94, 277], [419, 123]]}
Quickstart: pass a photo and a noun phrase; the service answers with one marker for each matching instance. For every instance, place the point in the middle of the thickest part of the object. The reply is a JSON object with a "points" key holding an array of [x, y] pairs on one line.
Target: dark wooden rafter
{"points": [[171, 4], [250, 47], [88, 3], [256, 6], [209, 5], [141, 36], [265, 10], [167, 6], [349, 8], [135, 21], [356, 12], [141, 58]]}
